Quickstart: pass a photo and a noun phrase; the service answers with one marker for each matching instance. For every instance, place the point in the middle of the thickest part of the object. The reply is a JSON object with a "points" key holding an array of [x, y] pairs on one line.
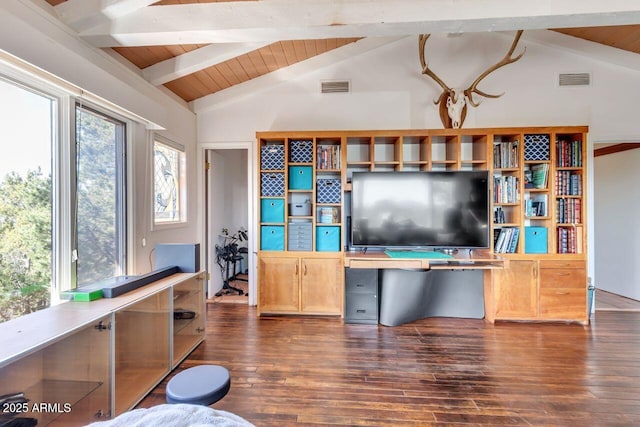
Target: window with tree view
{"points": [[26, 200], [62, 200], [100, 192], [168, 183]]}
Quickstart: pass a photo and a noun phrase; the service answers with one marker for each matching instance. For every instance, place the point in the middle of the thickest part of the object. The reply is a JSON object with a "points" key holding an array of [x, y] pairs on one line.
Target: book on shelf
{"points": [[329, 215], [505, 155], [568, 211], [499, 245], [579, 245], [528, 178], [506, 240], [499, 216], [570, 240], [540, 175], [505, 189], [513, 241], [536, 205], [539, 208], [496, 235], [328, 157], [568, 183], [569, 153]]}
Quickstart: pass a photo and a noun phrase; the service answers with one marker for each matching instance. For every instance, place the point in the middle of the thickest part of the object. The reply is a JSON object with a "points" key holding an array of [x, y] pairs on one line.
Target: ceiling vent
{"points": [[574, 79], [335, 86]]}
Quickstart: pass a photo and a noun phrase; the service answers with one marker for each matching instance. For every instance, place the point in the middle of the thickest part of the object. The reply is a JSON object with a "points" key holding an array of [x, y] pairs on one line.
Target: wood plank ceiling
{"points": [[272, 56]]}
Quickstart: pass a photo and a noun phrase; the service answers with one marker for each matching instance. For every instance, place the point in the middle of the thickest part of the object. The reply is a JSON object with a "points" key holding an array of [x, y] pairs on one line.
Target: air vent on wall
{"points": [[334, 86], [574, 79]]}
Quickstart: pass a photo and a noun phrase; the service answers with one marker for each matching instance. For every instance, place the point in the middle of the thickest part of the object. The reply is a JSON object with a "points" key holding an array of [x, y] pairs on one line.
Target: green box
{"points": [[84, 296]]}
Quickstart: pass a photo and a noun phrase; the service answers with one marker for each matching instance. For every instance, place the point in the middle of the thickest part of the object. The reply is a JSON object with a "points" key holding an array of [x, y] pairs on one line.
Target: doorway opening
{"points": [[615, 177], [229, 238]]}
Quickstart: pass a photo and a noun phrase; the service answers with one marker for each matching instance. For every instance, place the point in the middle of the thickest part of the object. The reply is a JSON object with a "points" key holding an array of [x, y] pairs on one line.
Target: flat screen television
{"points": [[430, 209]]}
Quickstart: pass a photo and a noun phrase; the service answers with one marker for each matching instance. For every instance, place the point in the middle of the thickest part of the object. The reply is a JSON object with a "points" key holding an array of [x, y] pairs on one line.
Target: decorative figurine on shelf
{"points": [[453, 102]]}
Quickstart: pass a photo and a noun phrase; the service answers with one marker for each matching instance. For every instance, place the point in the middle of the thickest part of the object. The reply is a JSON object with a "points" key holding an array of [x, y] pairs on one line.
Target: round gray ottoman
{"points": [[200, 385]]}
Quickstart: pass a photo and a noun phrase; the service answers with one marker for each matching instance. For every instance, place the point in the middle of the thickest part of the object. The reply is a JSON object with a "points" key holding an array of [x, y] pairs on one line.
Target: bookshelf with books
{"points": [[550, 262], [537, 193], [569, 194], [507, 192]]}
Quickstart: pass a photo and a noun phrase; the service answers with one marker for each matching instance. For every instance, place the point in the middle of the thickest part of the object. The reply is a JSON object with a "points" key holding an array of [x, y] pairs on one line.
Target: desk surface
{"points": [[476, 259]]}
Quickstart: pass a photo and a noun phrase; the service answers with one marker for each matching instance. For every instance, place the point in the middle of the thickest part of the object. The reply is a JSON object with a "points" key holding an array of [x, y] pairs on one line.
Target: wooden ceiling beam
{"points": [[196, 60], [273, 20], [84, 14], [616, 148]]}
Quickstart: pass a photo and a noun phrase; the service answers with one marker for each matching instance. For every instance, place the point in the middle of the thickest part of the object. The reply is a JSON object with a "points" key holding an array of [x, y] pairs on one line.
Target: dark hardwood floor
{"points": [[295, 371], [608, 301]]}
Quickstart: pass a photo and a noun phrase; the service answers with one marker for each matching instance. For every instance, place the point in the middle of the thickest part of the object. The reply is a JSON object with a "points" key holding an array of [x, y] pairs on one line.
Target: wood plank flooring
{"points": [[303, 371], [608, 301]]}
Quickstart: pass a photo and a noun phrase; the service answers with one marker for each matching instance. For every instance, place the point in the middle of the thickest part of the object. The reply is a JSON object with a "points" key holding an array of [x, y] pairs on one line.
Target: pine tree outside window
{"points": [[26, 199], [63, 194]]}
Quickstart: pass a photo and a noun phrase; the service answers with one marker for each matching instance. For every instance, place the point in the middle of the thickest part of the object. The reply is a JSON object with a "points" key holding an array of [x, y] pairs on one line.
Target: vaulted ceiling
{"points": [[197, 48]]}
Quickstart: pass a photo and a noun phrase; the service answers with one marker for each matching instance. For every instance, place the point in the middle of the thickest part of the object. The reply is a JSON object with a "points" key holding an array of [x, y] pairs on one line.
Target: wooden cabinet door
{"points": [[563, 290], [321, 286], [516, 291], [278, 290]]}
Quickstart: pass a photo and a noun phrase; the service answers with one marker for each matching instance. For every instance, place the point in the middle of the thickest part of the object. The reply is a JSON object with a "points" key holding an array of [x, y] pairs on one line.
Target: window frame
{"points": [[123, 177], [182, 221], [63, 174]]}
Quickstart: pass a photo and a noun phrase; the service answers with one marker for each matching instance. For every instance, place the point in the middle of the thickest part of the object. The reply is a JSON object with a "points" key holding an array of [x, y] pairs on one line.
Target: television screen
{"points": [[436, 209]]}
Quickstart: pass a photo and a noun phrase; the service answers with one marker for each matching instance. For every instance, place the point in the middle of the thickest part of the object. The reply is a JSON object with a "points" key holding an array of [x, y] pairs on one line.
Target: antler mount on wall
{"points": [[453, 102]]}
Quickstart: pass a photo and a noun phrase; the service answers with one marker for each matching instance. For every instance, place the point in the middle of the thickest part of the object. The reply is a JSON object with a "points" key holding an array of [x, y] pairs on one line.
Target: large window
{"points": [[100, 192], [62, 195], [26, 200], [168, 182]]}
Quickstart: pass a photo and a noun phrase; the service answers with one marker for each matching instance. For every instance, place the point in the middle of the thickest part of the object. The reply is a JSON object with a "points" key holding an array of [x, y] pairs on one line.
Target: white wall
{"points": [[617, 224], [29, 33], [389, 92]]}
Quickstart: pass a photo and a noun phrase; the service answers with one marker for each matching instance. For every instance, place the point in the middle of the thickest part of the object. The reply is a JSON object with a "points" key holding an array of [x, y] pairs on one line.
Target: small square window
{"points": [[169, 183]]}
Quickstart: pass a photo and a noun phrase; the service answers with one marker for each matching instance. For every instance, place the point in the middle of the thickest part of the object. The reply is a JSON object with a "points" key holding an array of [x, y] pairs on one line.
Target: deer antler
{"points": [[505, 61], [422, 40]]}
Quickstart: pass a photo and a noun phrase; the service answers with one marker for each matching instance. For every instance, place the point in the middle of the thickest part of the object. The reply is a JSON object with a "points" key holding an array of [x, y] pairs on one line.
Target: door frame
{"points": [[250, 147]]}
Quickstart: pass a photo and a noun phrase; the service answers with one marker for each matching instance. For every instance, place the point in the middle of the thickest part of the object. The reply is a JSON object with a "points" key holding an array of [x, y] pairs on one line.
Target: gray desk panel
{"points": [[409, 295]]}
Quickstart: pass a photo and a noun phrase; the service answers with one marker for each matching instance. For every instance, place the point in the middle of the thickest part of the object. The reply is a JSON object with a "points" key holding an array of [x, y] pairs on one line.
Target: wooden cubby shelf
{"points": [[540, 203]]}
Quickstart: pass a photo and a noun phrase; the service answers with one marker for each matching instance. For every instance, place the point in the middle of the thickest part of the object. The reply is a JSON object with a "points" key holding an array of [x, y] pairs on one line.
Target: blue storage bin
{"points": [[272, 157], [328, 190], [300, 178], [328, 239], [272, 238], [272, 210], [535, 240], [301, 150], [272, 184]]}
